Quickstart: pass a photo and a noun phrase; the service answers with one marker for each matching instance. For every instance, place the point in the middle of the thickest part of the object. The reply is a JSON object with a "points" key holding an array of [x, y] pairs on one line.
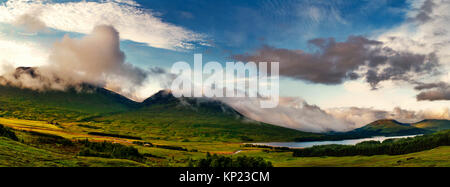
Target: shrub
{"points": [[246, 139], [6, 132], [115, 135], [223, 161], [43, 138], [146, 144], [171, 147], [109, 150]]}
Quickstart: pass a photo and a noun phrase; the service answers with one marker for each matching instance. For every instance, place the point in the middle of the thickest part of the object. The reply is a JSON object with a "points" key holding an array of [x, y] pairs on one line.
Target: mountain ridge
{"points": [[165, 112], [193, 119]]}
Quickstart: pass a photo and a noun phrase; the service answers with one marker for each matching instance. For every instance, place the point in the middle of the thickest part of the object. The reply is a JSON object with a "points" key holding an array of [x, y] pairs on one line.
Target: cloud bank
{"points": [[30, 22], [433, 91], [362, 116], [134, 23], [296, 113], [426, 31], [335, 62]]}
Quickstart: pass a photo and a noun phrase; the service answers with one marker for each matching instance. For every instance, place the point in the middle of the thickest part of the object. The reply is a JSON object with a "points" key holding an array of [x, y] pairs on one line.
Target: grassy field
{"points": [[27, 153], [16, 154], [439, 157]]}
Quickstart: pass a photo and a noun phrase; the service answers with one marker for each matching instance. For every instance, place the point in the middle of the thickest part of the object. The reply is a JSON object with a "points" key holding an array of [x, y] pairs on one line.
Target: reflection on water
{"points": [[340, 142]]}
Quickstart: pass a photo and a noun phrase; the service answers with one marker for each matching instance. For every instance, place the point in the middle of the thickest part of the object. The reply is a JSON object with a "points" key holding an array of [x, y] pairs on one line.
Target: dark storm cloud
{"points": [[434, 91], [434, 95], [426, 86], [334, 62]]}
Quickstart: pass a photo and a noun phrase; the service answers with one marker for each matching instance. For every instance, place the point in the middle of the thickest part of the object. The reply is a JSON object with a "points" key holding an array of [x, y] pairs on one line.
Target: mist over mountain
{"points": [[94, 59]]}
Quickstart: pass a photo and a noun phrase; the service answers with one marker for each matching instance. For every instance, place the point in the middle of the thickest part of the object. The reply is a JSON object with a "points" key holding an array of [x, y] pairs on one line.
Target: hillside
{"points": [[36, 149], [66, 105], [161, 116], [206, 105], [196, 119], [387, 127], [16, 154], [433, 124]]}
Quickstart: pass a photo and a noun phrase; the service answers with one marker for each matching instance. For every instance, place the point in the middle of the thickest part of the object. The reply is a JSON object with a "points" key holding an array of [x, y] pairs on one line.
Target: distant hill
{"points": [[387, 127], [433, 124]]}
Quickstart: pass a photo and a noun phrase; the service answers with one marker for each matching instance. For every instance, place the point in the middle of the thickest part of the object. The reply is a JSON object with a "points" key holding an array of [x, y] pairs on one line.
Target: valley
{"points": [[168, 132], [162, 154]]}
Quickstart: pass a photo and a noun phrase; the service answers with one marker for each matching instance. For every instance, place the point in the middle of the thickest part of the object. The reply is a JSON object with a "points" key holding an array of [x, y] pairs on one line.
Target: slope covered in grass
{"points": [[387, 127], [438, 157], [433, 124], [196, 120], [61, 105], [16, 154], [161, 116]]}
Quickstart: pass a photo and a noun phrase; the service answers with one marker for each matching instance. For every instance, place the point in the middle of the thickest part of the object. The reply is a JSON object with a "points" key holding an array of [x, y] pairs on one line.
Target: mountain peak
{"points": [[388, 127], [32, 71], [161, 97], [165, 92], [193, 103], [383, 122]]}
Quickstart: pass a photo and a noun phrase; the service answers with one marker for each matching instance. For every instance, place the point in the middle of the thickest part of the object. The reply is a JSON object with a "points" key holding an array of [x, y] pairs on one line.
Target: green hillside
{"points": [[433, 124], [387, 127], [61, 105], [159, 117], [16, 154], [189, 119]]}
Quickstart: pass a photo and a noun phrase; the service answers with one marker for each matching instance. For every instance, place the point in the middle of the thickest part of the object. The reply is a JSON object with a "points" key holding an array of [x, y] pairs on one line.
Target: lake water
{"points": [[340, 142]]}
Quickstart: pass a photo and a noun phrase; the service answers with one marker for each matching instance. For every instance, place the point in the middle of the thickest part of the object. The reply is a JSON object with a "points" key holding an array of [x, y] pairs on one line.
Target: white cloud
{"points": [[362, 116], [390, 95], [296, 113], [292, 112], [133, 23], [424, 35], [17, 53]]}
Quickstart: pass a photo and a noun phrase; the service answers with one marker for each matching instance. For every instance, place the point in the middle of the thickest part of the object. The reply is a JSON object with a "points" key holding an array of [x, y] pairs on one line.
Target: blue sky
{"points": [[242, 25], [234, 26]]}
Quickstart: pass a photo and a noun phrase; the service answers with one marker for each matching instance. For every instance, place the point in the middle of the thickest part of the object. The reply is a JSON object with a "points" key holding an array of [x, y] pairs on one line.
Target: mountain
{"points": [[73, 103], [165, 117], [197, 119], [206, 105], [162, 116], [433, 124], [65, 105], [387, 127]]}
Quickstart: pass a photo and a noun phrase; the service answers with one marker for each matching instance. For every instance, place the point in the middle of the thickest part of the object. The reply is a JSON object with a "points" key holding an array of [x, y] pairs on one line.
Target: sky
{"points": [[342, 63]]}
